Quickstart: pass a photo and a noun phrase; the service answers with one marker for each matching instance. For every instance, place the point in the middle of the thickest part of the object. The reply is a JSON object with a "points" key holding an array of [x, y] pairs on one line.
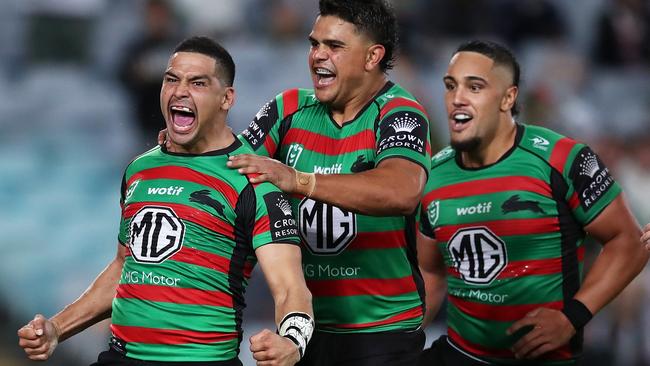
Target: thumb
{"points": [[39, 324]]}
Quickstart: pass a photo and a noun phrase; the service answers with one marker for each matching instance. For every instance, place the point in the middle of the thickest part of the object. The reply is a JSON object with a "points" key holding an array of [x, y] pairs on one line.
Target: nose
{"points": [[459, 97], [318, 53], [181, 89]]}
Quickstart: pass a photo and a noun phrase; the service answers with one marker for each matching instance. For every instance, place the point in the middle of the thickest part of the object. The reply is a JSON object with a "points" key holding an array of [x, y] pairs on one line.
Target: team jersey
{"points": [[361, 270], [511, 235], [191, 226]]}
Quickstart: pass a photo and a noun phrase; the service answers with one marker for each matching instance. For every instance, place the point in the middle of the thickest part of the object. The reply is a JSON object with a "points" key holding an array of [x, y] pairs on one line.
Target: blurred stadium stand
{"points": [[68, 127]]}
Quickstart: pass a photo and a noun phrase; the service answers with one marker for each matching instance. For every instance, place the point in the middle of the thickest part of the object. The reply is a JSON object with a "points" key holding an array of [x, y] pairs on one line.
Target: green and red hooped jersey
{"points": [[511, 234], [191, 226], [361, 270]]}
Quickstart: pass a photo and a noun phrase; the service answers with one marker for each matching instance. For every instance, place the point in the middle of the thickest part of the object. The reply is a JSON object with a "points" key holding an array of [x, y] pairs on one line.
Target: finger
{"points": [[35, 351], [31, 343], [543, 349], [524, 349], [27, 332], [262, 356], [521, 323], [39, 324], [525, 339], [259, 178], [162, 137]]}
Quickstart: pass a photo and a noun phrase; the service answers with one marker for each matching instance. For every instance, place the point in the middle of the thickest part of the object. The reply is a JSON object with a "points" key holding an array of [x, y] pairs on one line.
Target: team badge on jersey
{"points": [[130, 190], [591, 178], [156, 233], [281, 220], [326, 229], [478, 254]]}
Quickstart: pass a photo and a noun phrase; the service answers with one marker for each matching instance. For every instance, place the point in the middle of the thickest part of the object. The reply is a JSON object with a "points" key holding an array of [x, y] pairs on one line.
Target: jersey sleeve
{"points": [[403, 131], [263, 133], [274, 221], [591, 186], [424, 224], [123, 234]]}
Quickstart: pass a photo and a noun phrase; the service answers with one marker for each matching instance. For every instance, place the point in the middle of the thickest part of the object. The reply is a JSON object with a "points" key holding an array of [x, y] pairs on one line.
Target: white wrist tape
{"points": [[298, 327]]}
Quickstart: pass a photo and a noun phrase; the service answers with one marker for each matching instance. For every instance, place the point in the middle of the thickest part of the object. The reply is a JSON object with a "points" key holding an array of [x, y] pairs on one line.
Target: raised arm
{"points": [[40, 336], [281, 264], [394, 187]]}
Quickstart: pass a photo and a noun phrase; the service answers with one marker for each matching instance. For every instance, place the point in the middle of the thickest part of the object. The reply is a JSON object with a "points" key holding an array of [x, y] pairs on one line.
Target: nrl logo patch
{"points": [[433, 211], [293, 154]]}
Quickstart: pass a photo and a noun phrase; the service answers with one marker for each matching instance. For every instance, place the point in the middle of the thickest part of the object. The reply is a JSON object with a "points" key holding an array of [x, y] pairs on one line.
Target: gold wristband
{"points": [[306, 183]]}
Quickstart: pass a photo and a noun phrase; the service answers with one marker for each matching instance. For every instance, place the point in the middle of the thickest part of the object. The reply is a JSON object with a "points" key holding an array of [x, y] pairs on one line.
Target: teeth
{"points": [[323, 72], [461, 117], [182, 109]]}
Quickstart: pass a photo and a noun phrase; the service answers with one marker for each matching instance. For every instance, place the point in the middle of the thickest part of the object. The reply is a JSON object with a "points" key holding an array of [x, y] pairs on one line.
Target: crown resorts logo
{"points": [[264, 111], [284, 205], [589, 165], [405, 124]]}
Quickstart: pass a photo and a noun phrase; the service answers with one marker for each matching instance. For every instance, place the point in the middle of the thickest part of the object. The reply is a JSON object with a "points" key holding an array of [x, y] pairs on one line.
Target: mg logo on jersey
{"points": [[156, 233], [478, 254], [293, 154], [433, 211], [326, 229]]}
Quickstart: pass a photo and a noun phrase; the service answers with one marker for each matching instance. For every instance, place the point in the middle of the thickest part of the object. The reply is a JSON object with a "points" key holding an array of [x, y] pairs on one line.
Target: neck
{"points": [[211, 141], [350, 108], [492, 149]]}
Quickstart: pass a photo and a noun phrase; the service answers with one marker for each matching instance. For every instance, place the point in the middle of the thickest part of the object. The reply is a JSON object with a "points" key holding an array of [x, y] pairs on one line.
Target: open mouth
{"points": [[324, 76], [461, 118], [183, 117]]}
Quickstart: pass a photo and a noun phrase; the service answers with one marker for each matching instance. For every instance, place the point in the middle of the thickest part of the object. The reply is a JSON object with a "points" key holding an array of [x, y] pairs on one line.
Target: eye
{"points": [[170, 79], [450, 86], [476, 87], [199, 83]]}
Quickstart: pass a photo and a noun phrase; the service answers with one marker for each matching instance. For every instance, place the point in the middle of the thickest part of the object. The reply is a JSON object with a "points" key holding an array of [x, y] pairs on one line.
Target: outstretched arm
{"points": [[621, 259], [281, 264], [40, 336], [432, 267], [394, 187]]}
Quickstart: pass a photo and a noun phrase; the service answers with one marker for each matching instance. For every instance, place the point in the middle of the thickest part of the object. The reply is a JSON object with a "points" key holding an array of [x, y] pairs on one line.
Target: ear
{"points": [[509, 98], [228, 99], [374, 55]]}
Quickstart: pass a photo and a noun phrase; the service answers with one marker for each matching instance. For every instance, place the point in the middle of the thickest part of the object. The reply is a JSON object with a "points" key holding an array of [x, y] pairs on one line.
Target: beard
{"points": [[467, 145]]}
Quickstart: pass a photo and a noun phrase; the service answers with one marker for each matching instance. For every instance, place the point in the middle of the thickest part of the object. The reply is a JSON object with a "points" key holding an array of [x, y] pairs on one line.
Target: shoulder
{"points": [[292, 100], [548, 145], [442, 156], [395, 99]]}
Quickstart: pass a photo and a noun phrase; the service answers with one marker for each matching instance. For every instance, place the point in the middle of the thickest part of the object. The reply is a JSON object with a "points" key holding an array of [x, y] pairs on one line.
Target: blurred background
{"points": [[79, 84]]}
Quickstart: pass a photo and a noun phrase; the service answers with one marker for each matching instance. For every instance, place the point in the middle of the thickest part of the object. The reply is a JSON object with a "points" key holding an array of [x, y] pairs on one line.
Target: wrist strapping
{"points": [[306, 182], [577, 313], [297, 327]]}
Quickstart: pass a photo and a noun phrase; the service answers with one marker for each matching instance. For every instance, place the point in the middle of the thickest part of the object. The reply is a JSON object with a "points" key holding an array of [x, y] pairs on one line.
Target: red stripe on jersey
{"points": [[504, 227], [187, 213], [270, 145], [401, 102], [330, 146], [486, 186], [199, 258], [574, 202], [290, 102], [187, 174], [175, 295], [560, 153], [379, 240], [409, 314], [500, 313], [168, 336], [261, 225], [561, 353], [362, 286]]}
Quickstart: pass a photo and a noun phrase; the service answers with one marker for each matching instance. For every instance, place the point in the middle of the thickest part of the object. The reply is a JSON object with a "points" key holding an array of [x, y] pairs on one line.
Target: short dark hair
{"points": [[374, 18], [211, 48], [501, 55]]}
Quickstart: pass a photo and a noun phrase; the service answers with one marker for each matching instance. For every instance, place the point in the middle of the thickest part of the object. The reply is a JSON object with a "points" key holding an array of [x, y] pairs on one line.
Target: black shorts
{"points": [[443, 353], [364, 349], [115, 358]]}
